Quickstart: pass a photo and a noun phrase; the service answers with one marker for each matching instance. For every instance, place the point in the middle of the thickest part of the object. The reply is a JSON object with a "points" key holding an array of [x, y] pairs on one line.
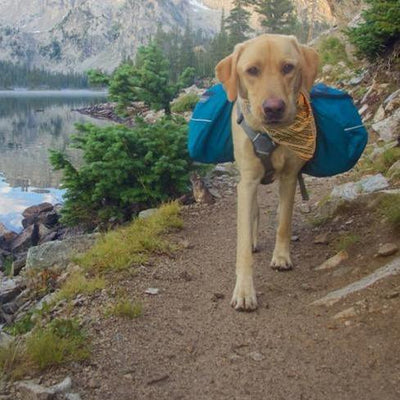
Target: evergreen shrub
{"points": [[124, 170], [380, 29]]}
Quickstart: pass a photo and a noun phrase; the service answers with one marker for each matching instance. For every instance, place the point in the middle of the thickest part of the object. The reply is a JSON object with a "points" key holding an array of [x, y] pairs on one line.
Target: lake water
{"points": [[31, 123]]}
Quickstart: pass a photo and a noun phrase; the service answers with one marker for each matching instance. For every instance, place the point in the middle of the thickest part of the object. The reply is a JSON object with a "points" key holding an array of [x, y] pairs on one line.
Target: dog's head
{"points": [[269, 72]]}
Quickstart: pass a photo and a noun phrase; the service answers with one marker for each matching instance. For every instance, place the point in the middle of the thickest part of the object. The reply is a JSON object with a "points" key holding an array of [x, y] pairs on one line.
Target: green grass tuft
{"points": [[8, 270], [332, 50], [24, 325], [132, 244], [389, 206], [381, 163], [184, 103], [77, 283], [126, 308], [59, 342], [346, 240], [13, 362]]}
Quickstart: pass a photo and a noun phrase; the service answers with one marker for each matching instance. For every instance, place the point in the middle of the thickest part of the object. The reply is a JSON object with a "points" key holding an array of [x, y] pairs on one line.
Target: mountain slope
{"points": [[72, 35]]}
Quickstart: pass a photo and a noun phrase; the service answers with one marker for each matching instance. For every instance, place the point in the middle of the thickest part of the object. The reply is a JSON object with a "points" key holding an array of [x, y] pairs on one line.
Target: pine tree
{"points": [[219, 46], [237, 24], [277, 16], [153, 85], [186, 51], [123, 86]]}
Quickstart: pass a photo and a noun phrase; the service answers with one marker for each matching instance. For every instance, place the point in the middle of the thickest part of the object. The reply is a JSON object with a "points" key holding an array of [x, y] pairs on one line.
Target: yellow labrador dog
{"points": [[268, 73]]}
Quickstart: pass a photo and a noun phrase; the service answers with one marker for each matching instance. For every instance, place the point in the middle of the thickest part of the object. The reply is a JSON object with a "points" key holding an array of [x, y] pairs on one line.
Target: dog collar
{"points": [[263, 146], [300, 136]]}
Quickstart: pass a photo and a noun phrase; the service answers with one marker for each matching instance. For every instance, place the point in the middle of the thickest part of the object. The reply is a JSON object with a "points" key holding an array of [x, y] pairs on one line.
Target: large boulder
{"points": [[58, 252], [25, 239], [43, 213]]}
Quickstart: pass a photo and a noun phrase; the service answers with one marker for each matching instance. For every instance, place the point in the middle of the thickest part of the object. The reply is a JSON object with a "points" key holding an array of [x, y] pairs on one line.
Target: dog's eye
{"points": [[287, 68], [253, 71]]}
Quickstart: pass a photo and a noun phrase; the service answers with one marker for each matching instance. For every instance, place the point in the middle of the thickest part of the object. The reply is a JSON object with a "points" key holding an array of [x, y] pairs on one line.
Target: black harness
{"points": [[264, 146]]}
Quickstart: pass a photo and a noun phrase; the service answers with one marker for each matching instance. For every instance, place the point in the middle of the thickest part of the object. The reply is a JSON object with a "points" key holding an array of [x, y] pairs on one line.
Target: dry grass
{"points": [[133, 244], [78, 283], [345, 241], [381, 163], [126, 308], [13, 361], [61, 341], [389, 207]]}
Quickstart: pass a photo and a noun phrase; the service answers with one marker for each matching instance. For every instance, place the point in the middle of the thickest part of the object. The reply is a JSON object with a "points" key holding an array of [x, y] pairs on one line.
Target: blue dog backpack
{"points": [[341, 135], [210, 131]]}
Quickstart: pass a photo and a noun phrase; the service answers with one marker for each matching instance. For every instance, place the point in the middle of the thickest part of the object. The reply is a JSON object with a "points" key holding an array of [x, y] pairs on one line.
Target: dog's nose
{"points": [[273, 108]]}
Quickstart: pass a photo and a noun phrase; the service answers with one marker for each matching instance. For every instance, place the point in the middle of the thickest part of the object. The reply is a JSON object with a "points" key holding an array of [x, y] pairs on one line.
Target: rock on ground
{"points": [[334, 261], [32, 391], [58, 252], [393, 268], [388, 249], [388, 128], [368, 184]]}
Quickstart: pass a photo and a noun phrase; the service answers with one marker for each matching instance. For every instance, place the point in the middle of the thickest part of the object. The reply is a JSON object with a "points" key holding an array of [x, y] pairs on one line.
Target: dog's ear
{"points": [[226, 73], [309, 67]]}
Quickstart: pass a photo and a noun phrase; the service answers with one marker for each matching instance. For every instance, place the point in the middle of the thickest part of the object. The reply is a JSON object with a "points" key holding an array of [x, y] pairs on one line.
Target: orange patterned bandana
{"points": [[300, 136]]}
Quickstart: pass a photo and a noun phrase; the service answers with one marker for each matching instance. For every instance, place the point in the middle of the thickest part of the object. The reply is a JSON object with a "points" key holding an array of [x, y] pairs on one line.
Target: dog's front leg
{"points": [[281, 257], [244, 295]]}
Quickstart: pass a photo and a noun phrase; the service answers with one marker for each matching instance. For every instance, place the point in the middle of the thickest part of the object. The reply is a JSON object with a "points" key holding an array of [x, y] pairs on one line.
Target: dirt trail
{"points": [[190, 344]]}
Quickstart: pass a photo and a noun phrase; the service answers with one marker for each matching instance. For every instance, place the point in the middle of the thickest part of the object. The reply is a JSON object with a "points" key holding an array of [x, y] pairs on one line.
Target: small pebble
{"points": [[387, 249], [152, 291]]}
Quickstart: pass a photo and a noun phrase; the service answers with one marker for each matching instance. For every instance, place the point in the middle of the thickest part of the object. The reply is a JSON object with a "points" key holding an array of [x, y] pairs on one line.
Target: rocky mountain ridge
{"points": [[72, 35]]}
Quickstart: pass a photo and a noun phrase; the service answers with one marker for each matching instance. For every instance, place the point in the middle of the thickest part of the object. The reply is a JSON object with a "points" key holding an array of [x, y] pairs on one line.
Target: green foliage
{"points": [[12, 360], [24, 325], [237, 24], [153, 84], [78, 283], [277, 16], [186, 78], [98, 78], [134, 243], [184, 103], [380, 29], [122, 87], [126, 308], [22, 76], [332, 51], [124, 169], [345, 241], [148, 80], [381, 163], [60, 341], [7, 265], [389, 206]]}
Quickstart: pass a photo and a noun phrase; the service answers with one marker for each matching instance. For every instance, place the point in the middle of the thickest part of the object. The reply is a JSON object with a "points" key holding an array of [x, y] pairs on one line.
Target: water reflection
{"points": [[30, 124]]}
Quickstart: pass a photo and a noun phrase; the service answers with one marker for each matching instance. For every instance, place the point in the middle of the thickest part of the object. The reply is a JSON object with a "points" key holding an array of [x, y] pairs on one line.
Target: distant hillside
{"points": [[72, 35]]}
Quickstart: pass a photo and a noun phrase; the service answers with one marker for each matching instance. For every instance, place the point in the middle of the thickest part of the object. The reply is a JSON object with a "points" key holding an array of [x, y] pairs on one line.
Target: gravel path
{"points": [[190, 344]]}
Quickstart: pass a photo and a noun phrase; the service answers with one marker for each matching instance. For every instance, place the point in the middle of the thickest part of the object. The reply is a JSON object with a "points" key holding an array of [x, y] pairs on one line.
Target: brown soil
{"points": [[190, 344]]}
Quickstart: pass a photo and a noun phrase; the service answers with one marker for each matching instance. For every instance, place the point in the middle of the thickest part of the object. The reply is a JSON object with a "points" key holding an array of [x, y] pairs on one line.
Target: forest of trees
{"points": [[188, 48], [194, 49], [21, 76]]}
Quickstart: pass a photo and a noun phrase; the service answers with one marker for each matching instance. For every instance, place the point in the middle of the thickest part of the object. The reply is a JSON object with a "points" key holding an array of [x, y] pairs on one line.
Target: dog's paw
{"points": [[244, 296], [281, 263]]}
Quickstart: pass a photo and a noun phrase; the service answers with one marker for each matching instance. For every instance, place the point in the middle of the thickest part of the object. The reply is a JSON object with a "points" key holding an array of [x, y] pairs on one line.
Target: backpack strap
{"points": [[262, 144]]}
